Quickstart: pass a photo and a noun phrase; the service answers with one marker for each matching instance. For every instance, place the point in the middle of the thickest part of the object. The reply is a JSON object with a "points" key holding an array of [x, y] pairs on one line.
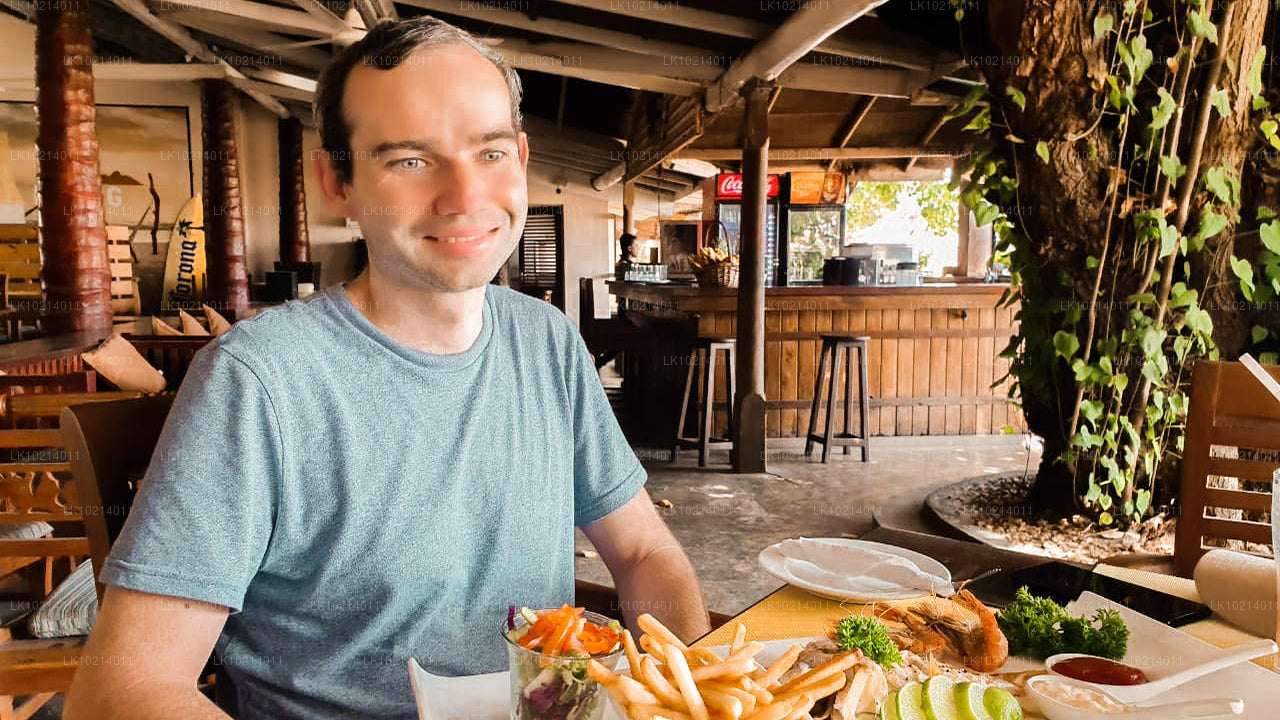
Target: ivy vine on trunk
{"points": [[1116, 134]]}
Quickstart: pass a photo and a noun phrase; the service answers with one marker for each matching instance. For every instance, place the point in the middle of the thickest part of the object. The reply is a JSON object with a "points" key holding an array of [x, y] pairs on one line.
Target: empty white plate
{"points": [[855, 570]]}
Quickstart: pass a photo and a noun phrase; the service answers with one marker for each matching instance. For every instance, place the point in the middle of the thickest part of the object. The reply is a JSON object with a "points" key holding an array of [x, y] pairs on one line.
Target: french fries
{"points": [[672, 681]]}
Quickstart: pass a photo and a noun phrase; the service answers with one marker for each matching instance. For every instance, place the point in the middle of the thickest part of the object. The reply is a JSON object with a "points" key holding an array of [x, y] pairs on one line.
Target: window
{"points": [[542, 254]]}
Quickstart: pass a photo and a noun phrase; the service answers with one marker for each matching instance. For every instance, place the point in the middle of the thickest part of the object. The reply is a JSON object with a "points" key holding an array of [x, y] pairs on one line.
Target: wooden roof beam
{"points": [[317, 10], [855, 120], [811, 154], [180, 37], [271, 16], [674, 13], [802, 31], [259, 41]]}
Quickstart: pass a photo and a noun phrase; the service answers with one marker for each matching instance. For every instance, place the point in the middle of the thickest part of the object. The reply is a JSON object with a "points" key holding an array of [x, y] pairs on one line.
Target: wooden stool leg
{"points": [[831, 402], [864, 400], [817, 402], [709, 401], [848, 394], [684, 406]]}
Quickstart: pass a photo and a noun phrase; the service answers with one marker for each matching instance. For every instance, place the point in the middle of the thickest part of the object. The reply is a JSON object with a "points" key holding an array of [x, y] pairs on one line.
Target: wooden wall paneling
{"points": [[923, 364], [969, 370], [906, 372], [938, 374], [773, 380], [955, 346], [889, 373], [986, 368], [807, 363], [875, 358], [791, 376]]}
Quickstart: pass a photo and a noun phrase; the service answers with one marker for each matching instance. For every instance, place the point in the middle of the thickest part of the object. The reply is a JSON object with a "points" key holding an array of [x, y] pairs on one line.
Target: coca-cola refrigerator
{"points": [[722, 219]]}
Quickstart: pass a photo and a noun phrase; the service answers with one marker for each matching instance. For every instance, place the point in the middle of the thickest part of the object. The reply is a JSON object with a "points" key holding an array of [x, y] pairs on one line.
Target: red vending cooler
{"points": [[722, 218]]}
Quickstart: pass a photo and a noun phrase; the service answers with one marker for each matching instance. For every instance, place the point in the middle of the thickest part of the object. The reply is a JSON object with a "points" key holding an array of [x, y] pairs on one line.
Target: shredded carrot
{"points": [[565, 630]]}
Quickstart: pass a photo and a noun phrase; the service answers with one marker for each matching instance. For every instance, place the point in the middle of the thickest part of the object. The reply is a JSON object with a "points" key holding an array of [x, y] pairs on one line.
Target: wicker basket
{"points": [[722, 275]]}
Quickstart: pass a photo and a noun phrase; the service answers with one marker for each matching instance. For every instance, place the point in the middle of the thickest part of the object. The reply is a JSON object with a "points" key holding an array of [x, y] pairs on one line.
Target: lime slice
{"points": [[888, 707], [1002, 705], [909, 704], [939, 699], [969, 702]]}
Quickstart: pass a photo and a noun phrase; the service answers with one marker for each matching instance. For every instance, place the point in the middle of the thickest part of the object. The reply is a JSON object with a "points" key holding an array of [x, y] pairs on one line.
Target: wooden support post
{"points": [[295, 243], [76, 272], [749, 424], [628, 207], [227, 289]]}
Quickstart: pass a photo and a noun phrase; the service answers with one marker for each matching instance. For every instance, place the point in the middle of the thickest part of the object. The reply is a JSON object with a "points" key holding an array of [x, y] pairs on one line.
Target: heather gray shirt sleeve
{"points": [[204, 512], [607, 472]]}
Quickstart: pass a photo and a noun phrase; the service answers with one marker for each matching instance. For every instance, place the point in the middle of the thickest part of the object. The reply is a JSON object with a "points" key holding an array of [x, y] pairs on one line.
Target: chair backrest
{"points": [[109, 446], [1231, 449], [35, 487], [586, 305], [170, 354], [36, 409]]}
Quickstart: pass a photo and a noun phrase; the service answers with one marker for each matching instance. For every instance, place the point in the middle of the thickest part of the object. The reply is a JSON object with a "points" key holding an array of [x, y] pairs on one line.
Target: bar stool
{"points": [[702, 354], [831, 347]]}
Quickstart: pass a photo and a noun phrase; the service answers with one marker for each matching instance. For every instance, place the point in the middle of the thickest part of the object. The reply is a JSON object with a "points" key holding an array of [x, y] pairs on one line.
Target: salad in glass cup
{"points": [[548, 652]]}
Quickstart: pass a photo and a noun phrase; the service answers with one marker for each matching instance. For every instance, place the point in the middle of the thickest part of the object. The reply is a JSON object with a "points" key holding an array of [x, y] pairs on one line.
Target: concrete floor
{"points": [[724, 520]]}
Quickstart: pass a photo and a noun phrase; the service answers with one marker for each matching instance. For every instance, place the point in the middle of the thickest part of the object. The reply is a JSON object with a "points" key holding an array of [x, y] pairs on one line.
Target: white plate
{"points": [[771, 559]]}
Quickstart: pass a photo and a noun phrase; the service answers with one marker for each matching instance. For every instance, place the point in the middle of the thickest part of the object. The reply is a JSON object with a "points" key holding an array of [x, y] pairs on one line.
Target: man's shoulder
{"points": [[529, 314], [280, 330]]}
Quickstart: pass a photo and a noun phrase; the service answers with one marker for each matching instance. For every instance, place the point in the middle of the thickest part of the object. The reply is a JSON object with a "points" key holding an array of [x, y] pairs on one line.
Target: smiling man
{"points": [[377, 472]]}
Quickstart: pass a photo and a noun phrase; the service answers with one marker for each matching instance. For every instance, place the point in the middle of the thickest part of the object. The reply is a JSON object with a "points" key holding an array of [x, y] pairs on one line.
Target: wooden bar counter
{"points": [[932, 360]]}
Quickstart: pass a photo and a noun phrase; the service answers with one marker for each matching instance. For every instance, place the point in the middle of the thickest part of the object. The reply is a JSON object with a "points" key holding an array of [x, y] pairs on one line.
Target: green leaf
{"points": [[967, 104], [1181, 296], [1201, 27], [1162, 111], [1253, 81], [1152, 340], [1265, 213], [1270, 234], [1143, 298], [1065, 344], [1244, 270], [1120, 382], [1042, 150], [959, 14], [981, 122], [1168, 238], [1105, 502], [1221, 103], [1016, 96], [1259, 103], [1102, 25], [1142, 58], [986, 213], [1130, 7], [1198, 319], [1223, 185], [1142, 501], [1269, 358], [1091, 409], [1172, 168], [1091, 262], [1259, 334], [1105, 518], [1211, 223]]}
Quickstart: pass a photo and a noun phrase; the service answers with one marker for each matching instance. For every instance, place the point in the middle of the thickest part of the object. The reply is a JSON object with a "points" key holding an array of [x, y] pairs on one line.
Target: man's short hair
{"points": [[385, 47]]}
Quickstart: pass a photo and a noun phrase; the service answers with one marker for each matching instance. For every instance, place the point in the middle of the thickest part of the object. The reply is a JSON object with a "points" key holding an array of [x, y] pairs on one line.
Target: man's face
{"points": [[438, 183]]}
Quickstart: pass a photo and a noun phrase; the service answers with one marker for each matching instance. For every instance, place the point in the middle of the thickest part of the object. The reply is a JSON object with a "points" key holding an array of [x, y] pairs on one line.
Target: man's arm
{"points": [[650, 569], [144, 658]]}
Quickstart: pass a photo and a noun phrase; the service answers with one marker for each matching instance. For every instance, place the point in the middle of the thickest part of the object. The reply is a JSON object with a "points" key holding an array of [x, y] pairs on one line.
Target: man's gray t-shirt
{"points": [[356, 502]]}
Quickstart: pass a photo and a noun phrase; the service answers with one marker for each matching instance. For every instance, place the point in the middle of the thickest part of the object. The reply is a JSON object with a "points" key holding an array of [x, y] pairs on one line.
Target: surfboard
{"points": [[184, 267]]}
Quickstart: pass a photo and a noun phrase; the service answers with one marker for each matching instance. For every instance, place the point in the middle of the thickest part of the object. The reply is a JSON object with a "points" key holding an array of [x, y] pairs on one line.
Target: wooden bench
{"points": [[170, 354]]}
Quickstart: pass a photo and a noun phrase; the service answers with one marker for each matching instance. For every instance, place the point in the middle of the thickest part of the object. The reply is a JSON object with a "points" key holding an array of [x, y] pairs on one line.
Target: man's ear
{"points": [[332, 184], [522, 139]]}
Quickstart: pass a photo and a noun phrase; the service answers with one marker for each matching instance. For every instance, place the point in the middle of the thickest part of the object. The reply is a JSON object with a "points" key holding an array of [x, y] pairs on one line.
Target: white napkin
{"points": [[856, 569], [474, 697]]}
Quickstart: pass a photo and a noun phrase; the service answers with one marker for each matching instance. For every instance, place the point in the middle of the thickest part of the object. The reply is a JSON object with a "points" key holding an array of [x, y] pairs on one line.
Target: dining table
{"points": [[790, 612]]}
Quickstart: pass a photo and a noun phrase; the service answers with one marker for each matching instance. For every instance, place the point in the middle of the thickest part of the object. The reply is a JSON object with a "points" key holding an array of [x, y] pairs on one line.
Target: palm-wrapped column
{"points": [[76, 272], [228, 280]]}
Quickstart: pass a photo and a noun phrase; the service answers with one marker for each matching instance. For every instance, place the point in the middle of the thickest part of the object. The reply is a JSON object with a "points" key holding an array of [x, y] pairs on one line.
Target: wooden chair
{"points": [[1232, 448], [605, 337], [35, 486], [43, 409], [170, 354]]}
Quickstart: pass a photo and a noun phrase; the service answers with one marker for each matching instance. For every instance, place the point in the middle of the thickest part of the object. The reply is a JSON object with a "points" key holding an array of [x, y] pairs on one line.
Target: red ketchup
{"points": [[1099, 670]]}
